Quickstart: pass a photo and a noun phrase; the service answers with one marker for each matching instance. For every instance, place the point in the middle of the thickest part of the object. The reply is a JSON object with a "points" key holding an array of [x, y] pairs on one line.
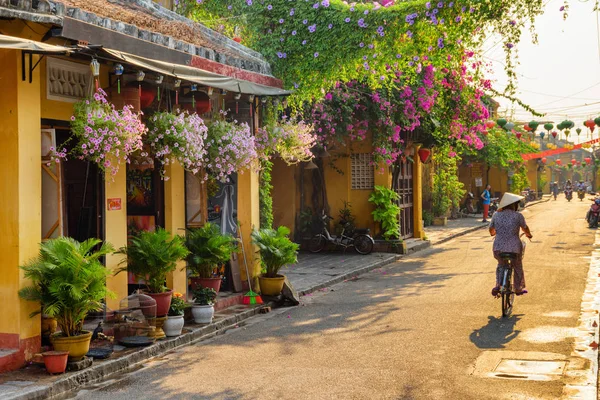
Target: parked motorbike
{"points": [[569, 194], [468, 206], [581, 194], [528, 194], [593, 214]]}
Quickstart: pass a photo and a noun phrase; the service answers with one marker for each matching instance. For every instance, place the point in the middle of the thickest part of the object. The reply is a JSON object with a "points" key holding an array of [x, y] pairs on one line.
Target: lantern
{"points": [[559, 161], [518, 134], [597, 121], [118, 69], [490, 124], [177, 85], [140, 78], [159, 81], [147, 94], [527, 127], [588, 160], [424, 154], [560, 126], [542, 134], [509, 126], [193, 88], [548, 126], [237, 96], [567, 132], [589, 123], [95, 67], [501, 122], [573, 161], [584, 164], [544, 159], [554, 133], [578, 130], [533, 125]]}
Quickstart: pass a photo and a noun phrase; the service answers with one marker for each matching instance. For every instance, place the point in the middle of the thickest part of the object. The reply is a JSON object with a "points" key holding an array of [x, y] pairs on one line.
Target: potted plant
{"points": [[151, 256], [69, 281], [276, 250], [203, 308], [174, 323], [55, 361], [208, 249]]}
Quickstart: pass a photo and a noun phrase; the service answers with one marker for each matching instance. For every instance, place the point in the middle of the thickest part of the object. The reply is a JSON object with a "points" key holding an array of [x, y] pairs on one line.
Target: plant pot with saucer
{"points": [[65, 262], [174, 323], [203, 308], [208, 250], [56, 361], [276, 250], [150, 256]]}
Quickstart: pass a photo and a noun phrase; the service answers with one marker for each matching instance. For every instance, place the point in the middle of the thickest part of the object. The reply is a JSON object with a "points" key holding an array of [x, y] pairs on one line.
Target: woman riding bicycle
{"points": [[505, 226]]}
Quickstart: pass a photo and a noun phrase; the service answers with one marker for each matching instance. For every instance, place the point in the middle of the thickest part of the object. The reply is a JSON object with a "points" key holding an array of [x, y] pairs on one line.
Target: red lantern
{"points": [[424, 154], [573, 161], [148, 94], [588, 160], [554, 133], [527, 127], [558, 162], [491, 124], [518, 135], [544, 160]]}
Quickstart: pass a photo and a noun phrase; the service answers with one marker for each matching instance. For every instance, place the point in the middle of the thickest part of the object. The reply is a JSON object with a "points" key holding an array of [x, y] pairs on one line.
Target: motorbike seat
{"points": [[509, 256]]}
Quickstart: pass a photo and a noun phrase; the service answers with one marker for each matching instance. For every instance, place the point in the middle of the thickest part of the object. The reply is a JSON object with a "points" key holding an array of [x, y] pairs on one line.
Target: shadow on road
{"points": [[496, 333]]}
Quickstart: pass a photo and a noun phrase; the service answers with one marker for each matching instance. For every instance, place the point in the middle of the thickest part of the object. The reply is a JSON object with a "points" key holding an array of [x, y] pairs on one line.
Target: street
{"points": [[425, 327]]}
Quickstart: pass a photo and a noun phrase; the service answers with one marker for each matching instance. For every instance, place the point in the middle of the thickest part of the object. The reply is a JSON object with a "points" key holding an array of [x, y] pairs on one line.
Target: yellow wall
{"points": [[249, 217], [283, 177], [20, 185], [175, 220]]}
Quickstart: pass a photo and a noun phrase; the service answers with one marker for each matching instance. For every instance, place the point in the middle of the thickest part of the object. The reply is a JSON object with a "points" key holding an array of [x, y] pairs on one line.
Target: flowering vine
{"points": [[291, 141], [103, 134]]}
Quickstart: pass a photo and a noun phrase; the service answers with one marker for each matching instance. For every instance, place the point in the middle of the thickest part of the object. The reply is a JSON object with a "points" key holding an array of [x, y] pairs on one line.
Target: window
{"points": [[363, 171]]}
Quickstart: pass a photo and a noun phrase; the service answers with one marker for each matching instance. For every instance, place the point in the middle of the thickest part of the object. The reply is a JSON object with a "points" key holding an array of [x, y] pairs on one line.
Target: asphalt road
{"points": [[425, 327]]}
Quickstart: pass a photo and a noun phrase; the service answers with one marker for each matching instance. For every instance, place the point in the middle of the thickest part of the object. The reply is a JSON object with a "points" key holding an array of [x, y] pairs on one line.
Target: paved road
{"points": [[423, 328]]}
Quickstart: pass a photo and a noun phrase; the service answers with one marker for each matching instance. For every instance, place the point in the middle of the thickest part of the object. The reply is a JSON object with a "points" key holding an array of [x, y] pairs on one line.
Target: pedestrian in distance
{"points": [[505, 226], [486, 196]]}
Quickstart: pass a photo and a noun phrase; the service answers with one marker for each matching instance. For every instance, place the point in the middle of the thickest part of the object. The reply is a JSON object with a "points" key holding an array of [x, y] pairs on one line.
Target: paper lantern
{"points": [[597, 121], [589, 123], [534, 125], [424, 154], [490, 124], [578, 130], [554, 133], [560, 126], [548, 126], [509, 126], [501, 122], [584, 164], [542, 134], [559, 161], [588, 159], [527, 128], [518, 134], [544, 159], [573, 161]]}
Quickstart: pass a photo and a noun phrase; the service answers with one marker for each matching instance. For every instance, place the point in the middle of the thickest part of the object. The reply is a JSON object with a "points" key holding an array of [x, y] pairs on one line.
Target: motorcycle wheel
{"points": [[363, 244], [317, 244]]}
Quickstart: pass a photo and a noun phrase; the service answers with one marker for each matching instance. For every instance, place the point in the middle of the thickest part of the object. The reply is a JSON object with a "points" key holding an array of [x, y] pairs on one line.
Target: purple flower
{"points": [[351, 8], [366, 12], [409, 34], [457, 19], [361, 44], [428, 4], [371, 46], [312, 28], [296, 86], [451, 4], [382, 78], [440, 4], [347, 20], [325, 3], [411, 63], [365, 58], [316, 5], [398, 55], [329, 26], [249, 2], [269, 7], [316, 54], [509, 45], [279, 54], [305, 22], [229, 7], [416, 58], [294, 33], [562, 8], [281, 21], [513, 22], [292, 12], [303, 42]]}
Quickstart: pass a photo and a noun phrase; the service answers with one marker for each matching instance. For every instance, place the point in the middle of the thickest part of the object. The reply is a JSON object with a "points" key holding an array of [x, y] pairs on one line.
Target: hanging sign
{"points": [[113, 204]]}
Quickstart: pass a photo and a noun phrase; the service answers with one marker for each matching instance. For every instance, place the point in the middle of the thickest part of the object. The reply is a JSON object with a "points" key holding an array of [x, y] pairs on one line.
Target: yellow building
{"points": [[45, 58]]}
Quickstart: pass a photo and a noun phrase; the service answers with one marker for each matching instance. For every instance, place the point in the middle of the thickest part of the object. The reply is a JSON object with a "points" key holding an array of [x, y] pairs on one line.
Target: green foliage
{"points": [[151, 256], [264, 191], [68, 280], [386, 211], [204, 296], [275, 248], [542, 180], [519, 181], [178, 305], [447, 189], [427, 218], [208, 249], [306, 220], [501, 149], [347, 219]]}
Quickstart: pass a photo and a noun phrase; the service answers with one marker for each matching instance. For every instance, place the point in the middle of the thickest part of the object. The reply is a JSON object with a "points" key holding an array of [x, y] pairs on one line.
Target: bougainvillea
{"points": [[291, 141], [230, 148], [103, 134], [178, 137]]}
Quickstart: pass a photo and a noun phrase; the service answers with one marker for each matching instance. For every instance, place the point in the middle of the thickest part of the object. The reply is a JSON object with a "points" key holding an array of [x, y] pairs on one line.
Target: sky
{"points": [[560, 75]]}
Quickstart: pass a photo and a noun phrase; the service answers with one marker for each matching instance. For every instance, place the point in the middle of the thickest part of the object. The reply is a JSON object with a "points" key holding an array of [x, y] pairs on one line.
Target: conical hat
{"points": [[508, 199]]}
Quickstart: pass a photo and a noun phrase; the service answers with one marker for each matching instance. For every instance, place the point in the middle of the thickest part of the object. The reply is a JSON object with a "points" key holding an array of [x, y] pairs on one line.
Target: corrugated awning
{"points": [[196, 75], [15, 43]]}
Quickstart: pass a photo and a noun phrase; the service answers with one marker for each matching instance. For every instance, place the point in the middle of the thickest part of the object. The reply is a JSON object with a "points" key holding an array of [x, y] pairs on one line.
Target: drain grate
{"points": [[530, 367]]}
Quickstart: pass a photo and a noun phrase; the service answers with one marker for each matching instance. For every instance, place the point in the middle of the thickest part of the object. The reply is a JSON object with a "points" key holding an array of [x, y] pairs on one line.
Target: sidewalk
{"points": [[313, 272]]}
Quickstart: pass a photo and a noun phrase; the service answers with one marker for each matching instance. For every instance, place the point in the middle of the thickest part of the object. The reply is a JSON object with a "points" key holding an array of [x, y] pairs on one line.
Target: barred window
{"points": [[363, 171]]}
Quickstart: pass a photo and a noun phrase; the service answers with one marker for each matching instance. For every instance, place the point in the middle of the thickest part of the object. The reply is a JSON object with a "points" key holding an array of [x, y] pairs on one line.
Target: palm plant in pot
{"points": [[151, 256], [209, 249], [203, 308], [276, 250], [174, 323], [69, 281]]}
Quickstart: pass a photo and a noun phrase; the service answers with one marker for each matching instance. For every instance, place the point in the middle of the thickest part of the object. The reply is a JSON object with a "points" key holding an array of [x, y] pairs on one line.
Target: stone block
{"points": [[79, 365], [289, 293]]}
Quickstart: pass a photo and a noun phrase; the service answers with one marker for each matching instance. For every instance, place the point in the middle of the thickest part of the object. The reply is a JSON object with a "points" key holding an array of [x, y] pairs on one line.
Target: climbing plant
{"points": [[386, 211], [447, 189]]}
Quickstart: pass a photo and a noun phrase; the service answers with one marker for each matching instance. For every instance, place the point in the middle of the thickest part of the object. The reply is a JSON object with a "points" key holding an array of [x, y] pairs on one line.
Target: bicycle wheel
{"points": [[508, 299], [363, 244], [317, 244]]}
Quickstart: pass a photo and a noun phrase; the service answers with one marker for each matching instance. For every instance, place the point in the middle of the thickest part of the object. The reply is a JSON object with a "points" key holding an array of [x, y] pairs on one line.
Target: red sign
{"points": [[113, 204]]}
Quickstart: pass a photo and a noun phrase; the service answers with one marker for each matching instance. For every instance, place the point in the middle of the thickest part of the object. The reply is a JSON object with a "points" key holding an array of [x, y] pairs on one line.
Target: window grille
{"points": [[363, 172]]}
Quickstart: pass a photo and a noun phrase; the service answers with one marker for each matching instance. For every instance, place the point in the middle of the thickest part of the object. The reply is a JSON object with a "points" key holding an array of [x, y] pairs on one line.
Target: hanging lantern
{"points": [[544, 159], [159, 81], [177, 85], [578, 130], [534, 125], [567, 132], [569, 165], [554, 133], [573, 161], [237, 97], [527, 127], [501, 122], [193, 88], [490, 124], [588, 160], [542, 134], [210, 91], [597, 162], [118, 69], [559, 161], [424, 154], [95, 67], [597, 121], [548, 126], [560, 126], [518, 134], [584, 164], [509, 126]]}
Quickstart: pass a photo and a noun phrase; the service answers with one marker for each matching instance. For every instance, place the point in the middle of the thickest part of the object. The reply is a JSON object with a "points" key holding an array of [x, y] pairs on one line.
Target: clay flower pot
{"points": [[271, 286], [56, 361], [76, 346], [163, 302], [212, 283]]}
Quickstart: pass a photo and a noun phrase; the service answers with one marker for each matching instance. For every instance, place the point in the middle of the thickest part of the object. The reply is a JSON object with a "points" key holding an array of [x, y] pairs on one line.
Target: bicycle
{"points": [[360, 240], [506, 290]]}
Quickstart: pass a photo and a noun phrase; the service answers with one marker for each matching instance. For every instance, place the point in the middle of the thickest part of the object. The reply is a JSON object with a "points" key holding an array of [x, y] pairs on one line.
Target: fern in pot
{"points": [[69, 281], [208, 250], [276, 250], [203, 308], [150, 256]]}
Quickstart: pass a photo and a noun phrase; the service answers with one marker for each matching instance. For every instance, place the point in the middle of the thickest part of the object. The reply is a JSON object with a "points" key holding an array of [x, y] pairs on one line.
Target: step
{"points": [[10, 359]]}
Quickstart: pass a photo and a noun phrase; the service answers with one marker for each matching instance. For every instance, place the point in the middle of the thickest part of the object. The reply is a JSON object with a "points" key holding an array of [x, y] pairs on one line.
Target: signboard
{"points": [[478, 182], [114, 204]]}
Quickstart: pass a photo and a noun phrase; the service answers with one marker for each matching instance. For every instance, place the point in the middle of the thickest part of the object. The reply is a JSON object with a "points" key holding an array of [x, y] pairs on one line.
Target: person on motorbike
{"points": [[568, 185], [506, 225]]}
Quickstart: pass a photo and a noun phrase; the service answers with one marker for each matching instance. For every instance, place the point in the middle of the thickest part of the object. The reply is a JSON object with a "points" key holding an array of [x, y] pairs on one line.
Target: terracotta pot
{"points": [[271, 286], [203, 314], [56, 361], [76, 346], [173, 325], [213, 283], [163, 302]]}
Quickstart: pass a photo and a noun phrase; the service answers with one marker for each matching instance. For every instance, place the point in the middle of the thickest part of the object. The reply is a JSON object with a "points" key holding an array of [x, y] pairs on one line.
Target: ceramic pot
{"points": [[212, 283], [56, 361], [76, 346], [163, 302], [173, 325], [203, 314], [271, 286]]}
